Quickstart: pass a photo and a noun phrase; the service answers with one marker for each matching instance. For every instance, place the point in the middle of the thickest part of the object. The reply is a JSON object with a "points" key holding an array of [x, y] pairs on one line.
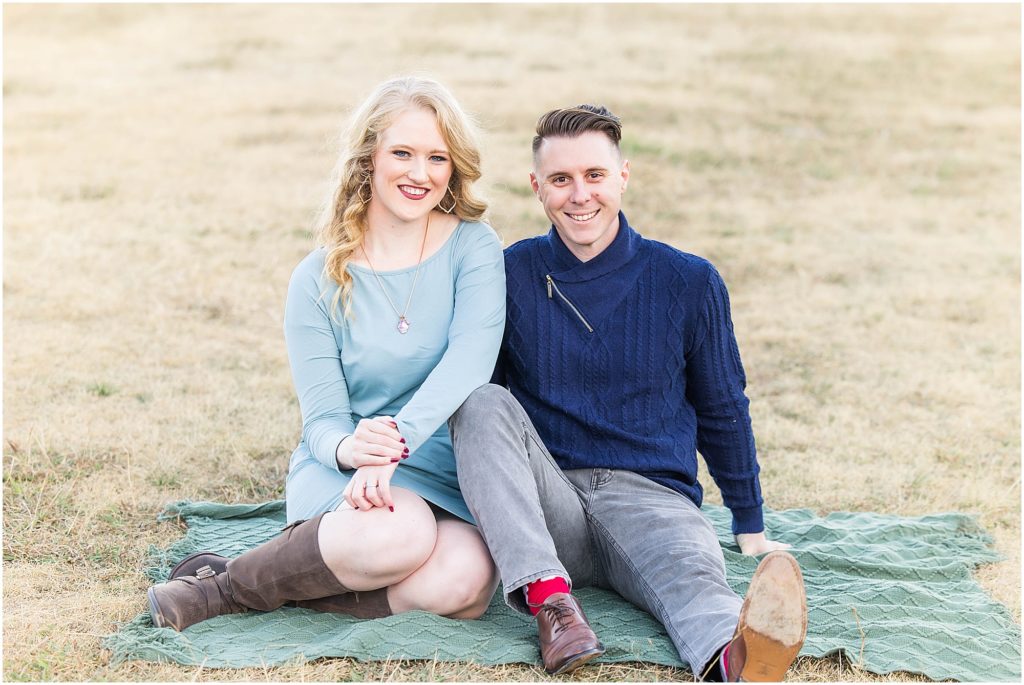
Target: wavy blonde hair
{"points": [[342, 224]]}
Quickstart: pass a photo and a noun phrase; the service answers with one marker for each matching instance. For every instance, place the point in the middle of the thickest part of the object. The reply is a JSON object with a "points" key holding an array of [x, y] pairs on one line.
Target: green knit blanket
{"points": [[891, 593]]}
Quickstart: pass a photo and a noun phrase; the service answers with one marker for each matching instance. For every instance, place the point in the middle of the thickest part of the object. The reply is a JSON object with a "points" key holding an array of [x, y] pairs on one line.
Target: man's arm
{"points": [[715, 384]]}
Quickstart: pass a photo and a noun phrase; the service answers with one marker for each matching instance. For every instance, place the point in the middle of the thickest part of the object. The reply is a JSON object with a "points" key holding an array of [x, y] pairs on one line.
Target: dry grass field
{"points": [[853, 171]]}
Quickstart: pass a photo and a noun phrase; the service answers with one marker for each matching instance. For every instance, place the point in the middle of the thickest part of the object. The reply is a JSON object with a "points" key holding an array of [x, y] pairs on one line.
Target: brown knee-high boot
{"points": [[287, 568], [365, 604], [369, 604]]}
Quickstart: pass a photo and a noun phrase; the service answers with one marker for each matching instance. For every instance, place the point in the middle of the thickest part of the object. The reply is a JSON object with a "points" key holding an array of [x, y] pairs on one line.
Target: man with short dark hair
{"points": [[579, 462]]}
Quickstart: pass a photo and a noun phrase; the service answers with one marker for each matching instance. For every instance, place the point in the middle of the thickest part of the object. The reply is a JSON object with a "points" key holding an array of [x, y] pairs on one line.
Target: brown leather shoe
{"points": [[773, 622], [287, 568], [566, 639]]}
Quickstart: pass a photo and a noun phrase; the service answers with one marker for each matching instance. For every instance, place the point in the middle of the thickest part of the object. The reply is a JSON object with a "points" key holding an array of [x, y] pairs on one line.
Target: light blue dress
{"points": [[363, 367]]}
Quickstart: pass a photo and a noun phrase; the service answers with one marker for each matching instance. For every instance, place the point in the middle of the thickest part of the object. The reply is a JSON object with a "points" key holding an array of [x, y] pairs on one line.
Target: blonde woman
{"points": [[390, 324]]}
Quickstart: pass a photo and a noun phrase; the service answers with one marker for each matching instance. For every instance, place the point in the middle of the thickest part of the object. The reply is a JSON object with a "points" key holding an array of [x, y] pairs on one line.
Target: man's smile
{"points": [[581, 218]]}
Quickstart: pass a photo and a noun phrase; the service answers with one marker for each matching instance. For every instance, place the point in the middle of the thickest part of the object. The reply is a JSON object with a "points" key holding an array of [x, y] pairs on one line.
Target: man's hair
{"points": [[572, 122]]}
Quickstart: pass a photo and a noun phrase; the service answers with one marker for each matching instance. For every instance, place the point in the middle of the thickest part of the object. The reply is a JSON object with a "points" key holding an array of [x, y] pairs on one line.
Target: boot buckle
{"points": [[205, 572]]}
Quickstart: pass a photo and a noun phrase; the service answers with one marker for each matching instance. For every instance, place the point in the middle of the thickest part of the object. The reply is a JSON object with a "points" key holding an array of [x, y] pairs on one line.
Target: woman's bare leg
{"points": [[368, 550], [457, 580]]}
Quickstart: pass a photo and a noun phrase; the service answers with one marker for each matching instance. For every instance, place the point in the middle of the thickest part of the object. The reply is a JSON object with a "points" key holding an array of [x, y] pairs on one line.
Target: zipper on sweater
{"points": [[552, 286]]}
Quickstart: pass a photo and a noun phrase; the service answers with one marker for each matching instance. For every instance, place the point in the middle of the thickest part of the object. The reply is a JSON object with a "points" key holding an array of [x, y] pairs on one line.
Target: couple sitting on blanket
{"points": [[611, 361]]}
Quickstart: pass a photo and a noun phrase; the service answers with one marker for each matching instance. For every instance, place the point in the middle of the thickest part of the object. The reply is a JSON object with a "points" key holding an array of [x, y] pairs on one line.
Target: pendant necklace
{"points": [[403, 323]]}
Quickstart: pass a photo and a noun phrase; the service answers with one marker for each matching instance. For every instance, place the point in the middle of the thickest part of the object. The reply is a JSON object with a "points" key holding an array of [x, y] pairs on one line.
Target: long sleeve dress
{"points": [[346, 370]]}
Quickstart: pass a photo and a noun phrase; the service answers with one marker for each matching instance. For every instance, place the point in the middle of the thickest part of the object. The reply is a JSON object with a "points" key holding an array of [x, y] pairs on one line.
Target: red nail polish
{"points": [[392, 509], [402, 440], [394, 460]]}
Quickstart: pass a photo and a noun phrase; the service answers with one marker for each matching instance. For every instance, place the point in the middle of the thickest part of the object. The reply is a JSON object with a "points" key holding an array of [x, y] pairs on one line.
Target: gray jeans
{"points": [[610, 528]]}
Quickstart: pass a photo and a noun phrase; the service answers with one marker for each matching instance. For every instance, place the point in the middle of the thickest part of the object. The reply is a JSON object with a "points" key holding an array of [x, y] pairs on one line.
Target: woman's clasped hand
{"points": [[374, 451]]}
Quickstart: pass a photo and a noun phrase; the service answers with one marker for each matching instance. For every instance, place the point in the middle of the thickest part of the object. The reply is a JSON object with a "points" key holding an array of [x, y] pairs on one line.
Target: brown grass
{"points": [[854, 172]]}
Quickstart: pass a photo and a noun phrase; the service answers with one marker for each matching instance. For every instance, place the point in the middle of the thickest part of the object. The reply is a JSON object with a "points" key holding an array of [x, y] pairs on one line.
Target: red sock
{"points": [[723, 664], [539, 590]]}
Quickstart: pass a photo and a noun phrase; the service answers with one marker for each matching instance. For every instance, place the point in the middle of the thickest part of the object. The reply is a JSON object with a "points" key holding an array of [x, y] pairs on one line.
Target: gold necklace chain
{"points": [[403, 323]]}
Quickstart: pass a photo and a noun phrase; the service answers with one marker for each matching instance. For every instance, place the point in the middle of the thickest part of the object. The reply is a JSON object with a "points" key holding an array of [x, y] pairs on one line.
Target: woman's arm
{"points": [[320, 381], [473, 338]]}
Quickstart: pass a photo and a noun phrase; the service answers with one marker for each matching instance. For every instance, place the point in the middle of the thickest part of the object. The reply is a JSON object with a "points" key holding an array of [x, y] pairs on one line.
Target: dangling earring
{"points": [[448, 210], [364, 184]]}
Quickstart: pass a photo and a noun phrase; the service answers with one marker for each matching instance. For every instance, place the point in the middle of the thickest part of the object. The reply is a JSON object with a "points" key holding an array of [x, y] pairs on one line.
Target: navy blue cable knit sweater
{"points": [[629, 361]]}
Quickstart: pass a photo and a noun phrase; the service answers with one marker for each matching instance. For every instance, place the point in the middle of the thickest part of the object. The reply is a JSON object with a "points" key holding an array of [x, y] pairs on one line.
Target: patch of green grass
{"points": [[837, 278], [699, 159], [89, 192], [822, 171], [632, 147], [782, 232], [55, 466], [669, 216], [95, 192], [261, 489], [42, 667], [102, 389], [113, 517], [948, 170], [51, 518], [790, 414], [164, 479]]}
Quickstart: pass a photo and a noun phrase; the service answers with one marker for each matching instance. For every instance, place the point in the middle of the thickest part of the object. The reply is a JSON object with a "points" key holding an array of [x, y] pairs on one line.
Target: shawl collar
{"points": [[568, 268]]}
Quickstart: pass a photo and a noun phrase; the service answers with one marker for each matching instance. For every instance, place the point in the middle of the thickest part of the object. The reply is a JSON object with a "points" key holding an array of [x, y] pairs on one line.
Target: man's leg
{"points": [[531, 518], [528, 512], [658, 551]]}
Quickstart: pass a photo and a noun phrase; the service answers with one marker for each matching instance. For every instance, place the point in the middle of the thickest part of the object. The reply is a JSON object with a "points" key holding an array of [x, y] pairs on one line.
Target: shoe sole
{"points": [[773, 622], [576, 661], [155, 613]]}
